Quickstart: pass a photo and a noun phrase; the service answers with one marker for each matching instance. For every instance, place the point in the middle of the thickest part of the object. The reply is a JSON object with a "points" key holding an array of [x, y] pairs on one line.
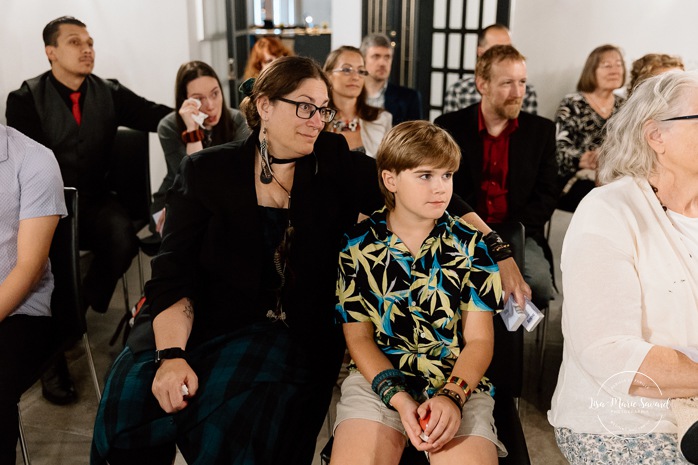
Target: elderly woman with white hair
{"points": [[630, 281]]}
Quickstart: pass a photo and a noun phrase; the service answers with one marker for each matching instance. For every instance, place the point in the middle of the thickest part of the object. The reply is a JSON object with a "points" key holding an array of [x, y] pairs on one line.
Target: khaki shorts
{"points": [[358, 401]]}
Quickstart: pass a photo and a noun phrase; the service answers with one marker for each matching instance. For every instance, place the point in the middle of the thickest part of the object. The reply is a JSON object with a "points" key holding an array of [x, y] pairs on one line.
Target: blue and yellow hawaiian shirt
{"points": [[415, 303]]}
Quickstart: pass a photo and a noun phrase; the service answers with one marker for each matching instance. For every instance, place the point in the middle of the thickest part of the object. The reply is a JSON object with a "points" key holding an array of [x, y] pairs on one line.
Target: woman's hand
{"points": [[444, 421], [513, 283], [190, 107], [168, 382], [589, 160]]}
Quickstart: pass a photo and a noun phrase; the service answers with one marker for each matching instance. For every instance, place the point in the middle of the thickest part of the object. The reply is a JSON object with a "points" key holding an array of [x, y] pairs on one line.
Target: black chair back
{"points": [[129, 174], [67, 306]]}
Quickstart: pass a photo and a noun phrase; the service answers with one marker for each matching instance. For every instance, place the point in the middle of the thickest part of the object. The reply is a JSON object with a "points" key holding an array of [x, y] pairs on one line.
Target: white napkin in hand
{"points": [[199, 119]]}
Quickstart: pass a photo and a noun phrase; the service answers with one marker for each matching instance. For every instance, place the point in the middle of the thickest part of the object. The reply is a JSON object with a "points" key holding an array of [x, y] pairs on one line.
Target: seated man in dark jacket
{"points": [[508, 171], [403, 103]]}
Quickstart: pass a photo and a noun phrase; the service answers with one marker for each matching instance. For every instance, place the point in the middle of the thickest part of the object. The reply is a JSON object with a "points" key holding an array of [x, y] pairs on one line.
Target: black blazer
{"points": [[213, 250], [532, 179], [403, 103]]}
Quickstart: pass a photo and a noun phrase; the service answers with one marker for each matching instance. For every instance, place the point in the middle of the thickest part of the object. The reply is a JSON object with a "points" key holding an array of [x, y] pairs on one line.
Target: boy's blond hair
{"points": [[412, 144]]}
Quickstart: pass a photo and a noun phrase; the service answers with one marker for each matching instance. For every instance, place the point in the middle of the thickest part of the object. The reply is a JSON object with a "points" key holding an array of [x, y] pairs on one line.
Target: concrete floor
{"points": [[61, 435]]}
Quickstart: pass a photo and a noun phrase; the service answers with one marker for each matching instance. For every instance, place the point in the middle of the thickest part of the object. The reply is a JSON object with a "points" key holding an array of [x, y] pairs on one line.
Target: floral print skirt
{"points": [[586, 448]]}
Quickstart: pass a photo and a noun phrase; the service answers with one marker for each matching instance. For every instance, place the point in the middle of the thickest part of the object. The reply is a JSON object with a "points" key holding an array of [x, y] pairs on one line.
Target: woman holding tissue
{"points": [[630, 280], [203, 120]]}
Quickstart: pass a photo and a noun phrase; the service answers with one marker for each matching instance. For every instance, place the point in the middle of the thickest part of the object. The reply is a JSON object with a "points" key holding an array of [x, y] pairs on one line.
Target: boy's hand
{"points": [[444, 421], [513, 283], [407, 408]]}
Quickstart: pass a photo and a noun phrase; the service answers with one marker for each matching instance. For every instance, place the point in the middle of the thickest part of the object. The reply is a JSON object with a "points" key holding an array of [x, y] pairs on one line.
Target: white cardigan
{"points": [[372, 132], [629, 283]]}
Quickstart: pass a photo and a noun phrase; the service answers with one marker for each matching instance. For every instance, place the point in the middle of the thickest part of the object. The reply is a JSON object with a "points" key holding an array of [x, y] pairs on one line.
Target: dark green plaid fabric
{"points": [[260, 401]]}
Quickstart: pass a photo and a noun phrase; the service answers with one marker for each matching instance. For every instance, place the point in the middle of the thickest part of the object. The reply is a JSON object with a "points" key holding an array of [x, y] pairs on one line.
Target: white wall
{"points": [[346, 23], [139, 42], [557, 36]]}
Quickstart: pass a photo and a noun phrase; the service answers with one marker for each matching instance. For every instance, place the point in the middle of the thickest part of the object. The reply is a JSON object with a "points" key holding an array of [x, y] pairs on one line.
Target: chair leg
{"points": [[140, 271], [124, 283], [91, 364], [22, 438]]}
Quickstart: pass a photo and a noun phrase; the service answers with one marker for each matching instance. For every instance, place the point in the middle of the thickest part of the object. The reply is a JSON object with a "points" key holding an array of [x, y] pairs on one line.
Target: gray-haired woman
{"points": [[630, 280]]}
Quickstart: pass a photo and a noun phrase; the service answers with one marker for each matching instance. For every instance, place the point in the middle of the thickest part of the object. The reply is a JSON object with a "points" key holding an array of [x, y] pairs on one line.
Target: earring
{"points": [[266, 175]]}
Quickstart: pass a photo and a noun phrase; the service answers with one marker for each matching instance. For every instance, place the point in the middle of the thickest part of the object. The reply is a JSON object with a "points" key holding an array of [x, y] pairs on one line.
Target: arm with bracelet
{"points": [[468, 370], [377, 369], [513, 283]]}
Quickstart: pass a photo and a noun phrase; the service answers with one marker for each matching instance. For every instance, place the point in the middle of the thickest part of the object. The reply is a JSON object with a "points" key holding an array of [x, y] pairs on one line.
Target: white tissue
{"points": [[199, 119]]}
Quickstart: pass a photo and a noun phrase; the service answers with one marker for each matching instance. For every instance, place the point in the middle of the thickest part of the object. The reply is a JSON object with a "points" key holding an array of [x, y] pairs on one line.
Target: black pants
{"points": [[24, 346], [105, 229]]}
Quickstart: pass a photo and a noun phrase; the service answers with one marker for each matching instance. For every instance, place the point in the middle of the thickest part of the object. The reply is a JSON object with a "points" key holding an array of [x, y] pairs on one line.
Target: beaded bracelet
{"points": [[499, 250], [383, 375], [196, 135], [387, 396]]}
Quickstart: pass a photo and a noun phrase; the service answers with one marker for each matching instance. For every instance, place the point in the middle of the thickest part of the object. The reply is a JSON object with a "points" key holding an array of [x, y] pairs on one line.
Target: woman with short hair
{"points": [[580, 120]]}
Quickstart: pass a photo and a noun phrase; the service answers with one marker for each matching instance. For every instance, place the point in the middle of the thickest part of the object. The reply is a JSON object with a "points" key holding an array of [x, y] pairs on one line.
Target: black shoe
{"points": [[56, 385], [689, 444]]}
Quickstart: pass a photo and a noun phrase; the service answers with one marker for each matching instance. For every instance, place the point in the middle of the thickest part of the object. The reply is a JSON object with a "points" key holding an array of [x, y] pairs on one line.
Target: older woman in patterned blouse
{"points": [[580, 120]]}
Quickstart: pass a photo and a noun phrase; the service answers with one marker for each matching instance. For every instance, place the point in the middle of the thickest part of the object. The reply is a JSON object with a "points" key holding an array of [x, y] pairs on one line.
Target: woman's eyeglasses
{"points": [[306, 110], [348, 71], [678, 118]]}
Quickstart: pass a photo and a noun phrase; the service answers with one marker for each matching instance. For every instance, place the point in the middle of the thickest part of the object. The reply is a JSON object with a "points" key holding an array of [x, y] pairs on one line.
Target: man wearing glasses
{"points": [[403, 103]]}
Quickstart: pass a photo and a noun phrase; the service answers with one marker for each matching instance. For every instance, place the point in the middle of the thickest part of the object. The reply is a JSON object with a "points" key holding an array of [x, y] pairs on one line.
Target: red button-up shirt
{"points": [[492, 202]]}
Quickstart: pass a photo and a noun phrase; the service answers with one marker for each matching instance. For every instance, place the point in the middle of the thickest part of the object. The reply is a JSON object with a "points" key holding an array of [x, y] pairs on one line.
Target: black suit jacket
{"points": [[532, 179], [403, 103]]}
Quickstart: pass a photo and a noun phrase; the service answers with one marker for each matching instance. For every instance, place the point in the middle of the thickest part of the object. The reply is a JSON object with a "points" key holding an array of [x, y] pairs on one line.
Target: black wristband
{"points": [[499, 250], [168, 354], [454, 397]]}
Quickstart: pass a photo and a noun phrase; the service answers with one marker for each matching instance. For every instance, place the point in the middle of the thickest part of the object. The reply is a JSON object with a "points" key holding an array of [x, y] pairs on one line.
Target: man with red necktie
{"points": [[76, 114]]}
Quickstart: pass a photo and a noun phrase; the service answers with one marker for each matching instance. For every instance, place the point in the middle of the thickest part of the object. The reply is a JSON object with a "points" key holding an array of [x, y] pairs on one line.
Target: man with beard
{"points": [[464, 93], [508, 170], [403, 103], [76, 114]]}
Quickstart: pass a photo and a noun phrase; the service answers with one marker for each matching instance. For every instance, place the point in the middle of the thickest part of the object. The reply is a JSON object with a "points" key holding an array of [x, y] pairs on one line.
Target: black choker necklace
{"points": [[280, 161]]}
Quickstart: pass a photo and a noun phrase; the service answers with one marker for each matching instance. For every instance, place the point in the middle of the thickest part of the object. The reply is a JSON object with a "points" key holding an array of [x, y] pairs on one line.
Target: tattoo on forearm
{"points": [[189, 308]]}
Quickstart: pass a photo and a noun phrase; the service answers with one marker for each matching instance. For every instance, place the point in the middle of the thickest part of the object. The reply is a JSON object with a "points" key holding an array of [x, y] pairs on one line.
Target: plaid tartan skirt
{"points": [[262, 399]]}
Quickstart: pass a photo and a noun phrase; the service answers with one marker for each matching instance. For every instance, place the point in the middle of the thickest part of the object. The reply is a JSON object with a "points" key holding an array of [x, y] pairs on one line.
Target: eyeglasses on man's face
{"points": [[348, 71], [306, 110], [679, 118]]}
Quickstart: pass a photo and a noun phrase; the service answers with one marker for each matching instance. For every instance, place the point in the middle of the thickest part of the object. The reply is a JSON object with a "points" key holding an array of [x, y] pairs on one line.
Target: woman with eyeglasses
{"points": [[362, 125], [580, 120], [203, 120], [237, 353], [630, 280]]}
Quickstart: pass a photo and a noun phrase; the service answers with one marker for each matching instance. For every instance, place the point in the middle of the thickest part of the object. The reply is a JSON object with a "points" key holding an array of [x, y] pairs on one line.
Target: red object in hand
{"points": [[423, 422]]}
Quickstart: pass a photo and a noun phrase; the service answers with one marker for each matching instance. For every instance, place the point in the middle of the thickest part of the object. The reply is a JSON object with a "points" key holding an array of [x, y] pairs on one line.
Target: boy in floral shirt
{"points": [[416, 293]]}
